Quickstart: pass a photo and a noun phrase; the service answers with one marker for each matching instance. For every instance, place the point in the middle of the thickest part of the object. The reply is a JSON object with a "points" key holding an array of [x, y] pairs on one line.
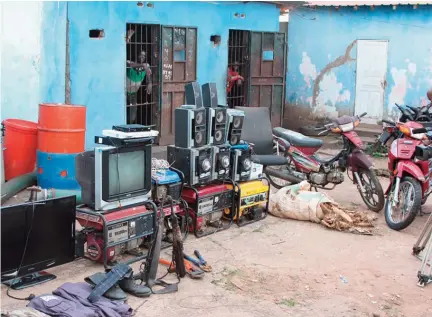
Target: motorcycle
{"points": [[409, 176], [305, 164]]}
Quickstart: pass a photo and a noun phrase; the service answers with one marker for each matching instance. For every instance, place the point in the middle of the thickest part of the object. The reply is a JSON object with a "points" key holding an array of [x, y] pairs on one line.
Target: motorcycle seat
{"points": [[297, 139], [269, 160], [322, 158]]}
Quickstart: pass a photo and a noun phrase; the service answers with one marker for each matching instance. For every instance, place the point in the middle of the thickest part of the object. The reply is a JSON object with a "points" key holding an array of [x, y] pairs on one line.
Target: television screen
{"points": [[50, 227], [126, 172]]}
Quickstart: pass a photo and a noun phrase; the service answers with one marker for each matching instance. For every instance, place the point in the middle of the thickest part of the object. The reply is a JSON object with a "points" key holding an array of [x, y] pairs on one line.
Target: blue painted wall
{"points": [[323, 34], [33, 37], [98, 66]]}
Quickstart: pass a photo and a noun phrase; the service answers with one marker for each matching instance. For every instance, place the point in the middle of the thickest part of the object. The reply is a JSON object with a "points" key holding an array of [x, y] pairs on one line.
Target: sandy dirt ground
{"points": [[280, 267]]}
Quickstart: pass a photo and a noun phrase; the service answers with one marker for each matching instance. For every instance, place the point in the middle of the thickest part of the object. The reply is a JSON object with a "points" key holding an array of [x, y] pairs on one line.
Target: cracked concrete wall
{"points": [[322, 58]]}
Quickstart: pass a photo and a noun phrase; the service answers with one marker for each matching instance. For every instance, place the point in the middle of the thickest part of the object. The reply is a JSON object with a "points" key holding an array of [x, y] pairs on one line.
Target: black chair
{"points": [[257, 130]]}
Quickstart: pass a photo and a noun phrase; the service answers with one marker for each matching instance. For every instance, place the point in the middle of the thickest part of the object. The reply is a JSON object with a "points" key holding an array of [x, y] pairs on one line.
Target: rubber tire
{"points": [[373, 178], [272, 183], [313, 130], [416, 206]]}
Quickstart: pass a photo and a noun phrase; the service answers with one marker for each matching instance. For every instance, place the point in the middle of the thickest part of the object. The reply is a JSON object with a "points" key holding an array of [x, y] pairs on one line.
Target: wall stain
{"points": [[341, 60]]}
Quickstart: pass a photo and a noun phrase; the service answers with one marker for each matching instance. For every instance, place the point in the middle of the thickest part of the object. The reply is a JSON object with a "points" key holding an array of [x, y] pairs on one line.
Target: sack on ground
{"points": [[297, 202]]}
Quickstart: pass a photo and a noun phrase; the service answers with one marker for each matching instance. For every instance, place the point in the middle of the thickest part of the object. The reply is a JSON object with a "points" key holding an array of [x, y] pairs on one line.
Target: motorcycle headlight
{"points": [[205, 165], [161, 192], [247, 164], [225, 162]]}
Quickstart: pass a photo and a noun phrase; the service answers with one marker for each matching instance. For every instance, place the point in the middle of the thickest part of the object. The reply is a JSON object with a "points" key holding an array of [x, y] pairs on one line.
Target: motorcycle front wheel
{"points": [[409, 202], [373, 196]]}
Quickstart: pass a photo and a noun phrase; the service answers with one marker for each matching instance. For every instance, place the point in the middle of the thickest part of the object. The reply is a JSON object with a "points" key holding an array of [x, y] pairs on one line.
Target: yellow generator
{"points": [[252, 198]]}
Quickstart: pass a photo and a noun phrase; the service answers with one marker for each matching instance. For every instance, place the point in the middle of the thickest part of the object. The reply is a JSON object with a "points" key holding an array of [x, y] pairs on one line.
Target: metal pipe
{"points": [[285, 176], [56, 193]]}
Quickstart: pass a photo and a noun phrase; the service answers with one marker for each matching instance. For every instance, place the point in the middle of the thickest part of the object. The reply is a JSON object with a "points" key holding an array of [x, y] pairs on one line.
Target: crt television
{"points": [[113, 177], [34, 237]]}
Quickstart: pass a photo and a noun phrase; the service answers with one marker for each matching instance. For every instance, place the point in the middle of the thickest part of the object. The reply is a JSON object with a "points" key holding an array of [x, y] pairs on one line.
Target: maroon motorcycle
{"points": [[304, 164]]}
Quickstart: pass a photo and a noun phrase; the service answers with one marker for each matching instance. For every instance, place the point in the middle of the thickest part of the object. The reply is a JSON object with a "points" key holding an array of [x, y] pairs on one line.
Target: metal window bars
{"points": [[142, 101], [238, 62]]}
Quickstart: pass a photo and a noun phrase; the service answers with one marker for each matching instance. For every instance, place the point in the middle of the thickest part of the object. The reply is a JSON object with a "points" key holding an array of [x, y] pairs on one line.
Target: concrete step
{"points": [[368, 130]]}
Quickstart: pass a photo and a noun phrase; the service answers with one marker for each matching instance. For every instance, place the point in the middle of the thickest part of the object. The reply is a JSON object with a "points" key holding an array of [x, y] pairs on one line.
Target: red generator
{"points": [[209, 206], [120, 233]]}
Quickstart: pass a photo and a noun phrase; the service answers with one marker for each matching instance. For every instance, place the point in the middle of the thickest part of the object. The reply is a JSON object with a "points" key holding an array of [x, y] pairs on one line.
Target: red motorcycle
{"points": [[305, 164], [410, 184]]}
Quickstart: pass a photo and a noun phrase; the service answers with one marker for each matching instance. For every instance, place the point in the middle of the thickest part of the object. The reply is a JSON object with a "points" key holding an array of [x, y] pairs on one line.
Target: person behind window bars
{"points": [[136, 72], [233, 77]]}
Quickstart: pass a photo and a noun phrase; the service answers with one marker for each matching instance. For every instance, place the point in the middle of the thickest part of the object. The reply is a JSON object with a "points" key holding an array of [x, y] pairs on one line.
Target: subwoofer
{"points": [[216, 125], [196, 164], [209, 93], [190, 127], [235, 125], [241, 164], [193, 94], [222, 163]]}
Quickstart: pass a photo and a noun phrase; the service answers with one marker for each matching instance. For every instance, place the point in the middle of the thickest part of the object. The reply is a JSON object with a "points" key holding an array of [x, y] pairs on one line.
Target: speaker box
{"points": [[222, 163], [196, 164], [235, 126], [190, 127], [193, 94], [216, 125], [240, 165], [209, 93]]}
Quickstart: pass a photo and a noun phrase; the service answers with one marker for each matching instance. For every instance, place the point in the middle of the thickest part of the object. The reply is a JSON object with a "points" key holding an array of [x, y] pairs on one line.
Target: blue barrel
{"points": [[56, 170]]}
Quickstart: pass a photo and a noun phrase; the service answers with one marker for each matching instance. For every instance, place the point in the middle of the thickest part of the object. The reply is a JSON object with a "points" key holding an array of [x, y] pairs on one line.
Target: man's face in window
{"points": [[142, 57]]}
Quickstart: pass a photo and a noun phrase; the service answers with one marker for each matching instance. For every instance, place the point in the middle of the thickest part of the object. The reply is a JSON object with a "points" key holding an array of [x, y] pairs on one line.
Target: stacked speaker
{"points": [[204, 134]]}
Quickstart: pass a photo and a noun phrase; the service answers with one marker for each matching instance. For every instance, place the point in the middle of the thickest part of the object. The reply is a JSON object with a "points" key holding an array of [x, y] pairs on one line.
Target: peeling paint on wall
{"points": [[307, 69], [330, 93], [316, 39]]}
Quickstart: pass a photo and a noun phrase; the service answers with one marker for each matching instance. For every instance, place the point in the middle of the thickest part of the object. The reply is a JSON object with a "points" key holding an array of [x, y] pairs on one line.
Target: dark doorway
{"points": [[142, 86], [238, 68]]}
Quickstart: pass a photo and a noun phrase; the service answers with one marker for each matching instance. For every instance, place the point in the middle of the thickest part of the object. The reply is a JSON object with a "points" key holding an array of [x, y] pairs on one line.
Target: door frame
{"points": [[366, 119], [283, 76]]}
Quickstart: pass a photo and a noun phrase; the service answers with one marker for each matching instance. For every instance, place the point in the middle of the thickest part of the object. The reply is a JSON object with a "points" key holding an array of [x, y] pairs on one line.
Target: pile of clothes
{"points": [[102, 295]]}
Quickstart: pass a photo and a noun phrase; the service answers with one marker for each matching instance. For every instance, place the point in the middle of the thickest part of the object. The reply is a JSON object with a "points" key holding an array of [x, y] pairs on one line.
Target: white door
{"points": [[371, 79]]}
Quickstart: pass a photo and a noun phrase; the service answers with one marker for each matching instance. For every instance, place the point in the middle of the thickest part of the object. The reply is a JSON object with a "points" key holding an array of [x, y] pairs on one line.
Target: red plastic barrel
{"points": [[61, 128], [20, 142]]}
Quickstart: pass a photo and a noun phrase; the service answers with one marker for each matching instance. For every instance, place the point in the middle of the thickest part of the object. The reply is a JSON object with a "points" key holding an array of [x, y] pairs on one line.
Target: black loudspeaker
{"points": [[216, 125], [196, 164], [240, 165], [221, 162], [209, 93], [193, 94], [235, 125], [190, 127]]}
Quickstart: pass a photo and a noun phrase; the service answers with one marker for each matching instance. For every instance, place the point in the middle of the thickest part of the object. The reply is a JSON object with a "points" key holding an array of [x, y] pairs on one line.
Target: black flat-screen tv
{"points": [[36, 236]]}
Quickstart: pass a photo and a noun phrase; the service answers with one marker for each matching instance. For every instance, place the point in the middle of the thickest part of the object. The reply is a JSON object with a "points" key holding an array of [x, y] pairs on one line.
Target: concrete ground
{"points": [[280, 267]]}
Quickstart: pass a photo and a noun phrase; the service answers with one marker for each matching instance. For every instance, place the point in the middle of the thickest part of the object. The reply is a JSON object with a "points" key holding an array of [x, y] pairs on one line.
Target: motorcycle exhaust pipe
{"points": [[285, 176]]}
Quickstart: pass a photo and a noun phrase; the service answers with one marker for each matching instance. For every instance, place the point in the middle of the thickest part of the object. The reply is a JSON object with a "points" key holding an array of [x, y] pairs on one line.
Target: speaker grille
{"points": [[220, 116]]}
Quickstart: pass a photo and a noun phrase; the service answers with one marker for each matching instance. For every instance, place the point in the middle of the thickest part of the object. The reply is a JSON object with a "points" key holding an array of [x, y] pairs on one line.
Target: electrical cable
{"points": [[31, 296]]}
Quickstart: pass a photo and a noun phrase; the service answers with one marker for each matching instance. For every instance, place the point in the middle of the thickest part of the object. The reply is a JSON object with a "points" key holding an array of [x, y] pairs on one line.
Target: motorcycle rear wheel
{"points": [[413, 210], [373, 188]]}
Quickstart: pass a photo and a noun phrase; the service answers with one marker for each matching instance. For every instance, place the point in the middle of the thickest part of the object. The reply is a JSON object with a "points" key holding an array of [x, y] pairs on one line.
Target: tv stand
{"points": [[30, 280]]}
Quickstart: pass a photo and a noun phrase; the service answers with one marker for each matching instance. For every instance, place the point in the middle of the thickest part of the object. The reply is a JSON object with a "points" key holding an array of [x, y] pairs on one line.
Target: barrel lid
{"points": [[60, 105], [20, 124]]}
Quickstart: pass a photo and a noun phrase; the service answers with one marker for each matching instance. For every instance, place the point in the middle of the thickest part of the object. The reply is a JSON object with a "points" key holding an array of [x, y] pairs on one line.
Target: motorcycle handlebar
{"points": [[363, 114], [388, 122]]}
